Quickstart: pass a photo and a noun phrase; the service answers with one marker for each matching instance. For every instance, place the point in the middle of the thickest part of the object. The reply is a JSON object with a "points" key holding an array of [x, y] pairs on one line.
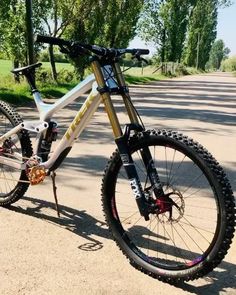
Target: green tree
{"points": [[108, 23], [176, 15], [202, 33], [58, 14], [13, 41], [151, 26], [13, 29], [164, 22], [120, 22], [217, 54]]}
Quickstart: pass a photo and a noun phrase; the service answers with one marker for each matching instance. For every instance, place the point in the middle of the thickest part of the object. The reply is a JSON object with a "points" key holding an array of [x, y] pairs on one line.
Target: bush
{"points": [[229, 64], [2, 55], [44, 76], [66, 76], [59, 57]]}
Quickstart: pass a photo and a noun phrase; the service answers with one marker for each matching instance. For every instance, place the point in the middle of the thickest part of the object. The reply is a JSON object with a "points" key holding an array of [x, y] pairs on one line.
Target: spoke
{"points": [[5, 182], [191, 184], [173, 178], [146, 169], [123, 175], [130, 216], [165, 231], [167, 176], [202, 218], [157, 225], [207, 231], [191, 238], [172, 163], [196, 231], [195, 228], [181, 238], [173, 239], [202, 207]]}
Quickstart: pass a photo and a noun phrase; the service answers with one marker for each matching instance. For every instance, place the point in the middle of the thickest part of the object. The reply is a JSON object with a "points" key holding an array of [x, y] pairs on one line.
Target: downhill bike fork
{"points": [[121, 138], [145, 207]]}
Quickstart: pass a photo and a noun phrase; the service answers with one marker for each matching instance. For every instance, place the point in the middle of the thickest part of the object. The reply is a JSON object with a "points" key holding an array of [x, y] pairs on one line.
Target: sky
{"points": [[225, 30], [227, 26]]}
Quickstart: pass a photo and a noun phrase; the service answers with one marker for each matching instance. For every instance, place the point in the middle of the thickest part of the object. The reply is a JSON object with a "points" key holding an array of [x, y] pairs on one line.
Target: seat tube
{"points": [[104, 91]]}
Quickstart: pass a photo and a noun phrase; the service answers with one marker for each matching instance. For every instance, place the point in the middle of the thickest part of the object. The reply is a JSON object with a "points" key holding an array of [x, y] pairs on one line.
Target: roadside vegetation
{"points": [[183, 34], [19, 92], [229, 64]]}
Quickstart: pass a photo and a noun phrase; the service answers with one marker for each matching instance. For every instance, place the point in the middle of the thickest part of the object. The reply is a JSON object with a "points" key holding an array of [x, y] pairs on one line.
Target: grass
{"points": [[6, 66], [19, 93]]}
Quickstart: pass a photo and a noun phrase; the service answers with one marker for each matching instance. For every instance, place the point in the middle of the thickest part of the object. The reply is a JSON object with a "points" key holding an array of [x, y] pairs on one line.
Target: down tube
{"points": [[77, 126]]}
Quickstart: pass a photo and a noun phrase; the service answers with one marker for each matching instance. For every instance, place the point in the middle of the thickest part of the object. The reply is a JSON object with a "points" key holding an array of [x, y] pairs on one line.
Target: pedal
{"points": [[36, 173]]}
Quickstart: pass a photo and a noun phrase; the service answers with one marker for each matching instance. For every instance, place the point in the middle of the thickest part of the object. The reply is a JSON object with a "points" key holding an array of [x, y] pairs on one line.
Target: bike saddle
{"points": [[27, 69]]}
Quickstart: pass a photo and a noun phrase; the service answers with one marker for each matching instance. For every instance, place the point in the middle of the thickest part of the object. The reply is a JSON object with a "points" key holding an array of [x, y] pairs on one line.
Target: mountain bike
{"points": [[167, 201]]}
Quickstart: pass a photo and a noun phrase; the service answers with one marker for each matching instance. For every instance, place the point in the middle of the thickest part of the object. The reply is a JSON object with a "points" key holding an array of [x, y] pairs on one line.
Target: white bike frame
{"points": [[46, 112]]}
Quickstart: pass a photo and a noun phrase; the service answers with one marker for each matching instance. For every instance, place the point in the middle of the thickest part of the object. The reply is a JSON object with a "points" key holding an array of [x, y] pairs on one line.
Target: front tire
{"points": [[196, 238]]}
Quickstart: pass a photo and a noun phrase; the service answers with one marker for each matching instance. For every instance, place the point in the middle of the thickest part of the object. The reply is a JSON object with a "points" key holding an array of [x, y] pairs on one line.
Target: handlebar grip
{"points": [[143, 51], [51, 40], [138, 51]]}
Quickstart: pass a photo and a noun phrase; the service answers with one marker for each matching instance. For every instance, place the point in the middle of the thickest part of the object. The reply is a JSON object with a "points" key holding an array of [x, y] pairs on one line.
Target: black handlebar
{"points": [[51, 40], [78, 48]]}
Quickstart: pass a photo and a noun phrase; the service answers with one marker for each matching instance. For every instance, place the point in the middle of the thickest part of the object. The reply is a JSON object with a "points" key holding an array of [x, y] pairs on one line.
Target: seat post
{"points": [[30, 77]]}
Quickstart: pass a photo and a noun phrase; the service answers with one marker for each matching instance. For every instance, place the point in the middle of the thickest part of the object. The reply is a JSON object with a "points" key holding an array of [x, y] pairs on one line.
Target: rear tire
{"points": [[11, 189], [200, 232]]}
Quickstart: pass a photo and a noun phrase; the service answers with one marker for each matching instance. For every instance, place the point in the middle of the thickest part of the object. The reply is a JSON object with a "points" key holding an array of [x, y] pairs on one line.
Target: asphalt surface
{"points": [[42, 254]]}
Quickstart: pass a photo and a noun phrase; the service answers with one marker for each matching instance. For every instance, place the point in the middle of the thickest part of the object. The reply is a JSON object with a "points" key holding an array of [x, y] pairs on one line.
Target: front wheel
{"points": [[193, 237]]}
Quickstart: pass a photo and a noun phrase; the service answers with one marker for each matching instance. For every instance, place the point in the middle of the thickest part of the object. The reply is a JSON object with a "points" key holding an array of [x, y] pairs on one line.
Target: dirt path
{"points": [[41, 254]]}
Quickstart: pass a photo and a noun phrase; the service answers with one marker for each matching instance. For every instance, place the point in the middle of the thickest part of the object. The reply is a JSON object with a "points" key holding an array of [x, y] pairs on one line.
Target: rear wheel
{"points": [[184, 240], [13, 182]]}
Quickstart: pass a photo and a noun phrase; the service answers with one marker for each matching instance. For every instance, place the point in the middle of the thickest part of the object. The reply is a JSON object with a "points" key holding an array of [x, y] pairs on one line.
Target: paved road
{"points": [[41, 254]]}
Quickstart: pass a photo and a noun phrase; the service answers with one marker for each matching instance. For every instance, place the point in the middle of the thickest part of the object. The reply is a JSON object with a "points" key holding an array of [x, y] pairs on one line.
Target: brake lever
{"points": [[64, 50], [139, 58], [145, 60]]}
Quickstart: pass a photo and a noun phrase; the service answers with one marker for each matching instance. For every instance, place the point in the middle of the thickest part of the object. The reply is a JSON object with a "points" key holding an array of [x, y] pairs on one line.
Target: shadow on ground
{"points": [[76, 221], [90, 228]]}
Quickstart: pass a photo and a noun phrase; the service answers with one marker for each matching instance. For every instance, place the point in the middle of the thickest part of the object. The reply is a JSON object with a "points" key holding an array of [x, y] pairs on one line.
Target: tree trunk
{"points": [[52, 61]]}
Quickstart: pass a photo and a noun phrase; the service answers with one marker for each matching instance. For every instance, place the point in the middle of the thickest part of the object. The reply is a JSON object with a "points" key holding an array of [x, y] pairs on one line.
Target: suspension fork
{"points": [[145, 153], [122, 141]]}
